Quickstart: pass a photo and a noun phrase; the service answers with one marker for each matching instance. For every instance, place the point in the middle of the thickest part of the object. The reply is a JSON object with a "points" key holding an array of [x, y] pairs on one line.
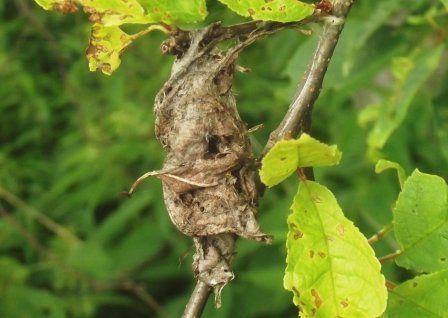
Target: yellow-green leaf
{"points": [[177, 12], [288, 155], [331, 268], [118, 12], [107, 40], [106, 46], [424, 297], [273, 10], [382, 165]]}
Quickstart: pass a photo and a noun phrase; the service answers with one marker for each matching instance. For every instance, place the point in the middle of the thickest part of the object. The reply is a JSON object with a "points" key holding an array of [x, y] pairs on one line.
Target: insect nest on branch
{"points": [[209, 174]]}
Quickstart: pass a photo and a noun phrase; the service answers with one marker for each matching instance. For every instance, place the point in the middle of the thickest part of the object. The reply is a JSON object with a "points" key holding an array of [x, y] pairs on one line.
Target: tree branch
{"points": [[197, 301], [299, 114], [298, 117]]}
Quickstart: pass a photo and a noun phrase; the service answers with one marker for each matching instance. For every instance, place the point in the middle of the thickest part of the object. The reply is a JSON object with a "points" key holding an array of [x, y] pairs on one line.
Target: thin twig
{"points": [[390, 257], [179, 40], [381, 233], [371, 222], [40, 217], [34, 243], [298, 117], [140, 292], [247, 28], [197, 301]]}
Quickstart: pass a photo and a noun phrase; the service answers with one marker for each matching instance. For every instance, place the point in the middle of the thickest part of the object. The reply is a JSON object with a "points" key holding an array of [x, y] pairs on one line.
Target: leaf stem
{"points": [[381, 233], [153, 27], [390, 257], [149, 29], [390, 285]]}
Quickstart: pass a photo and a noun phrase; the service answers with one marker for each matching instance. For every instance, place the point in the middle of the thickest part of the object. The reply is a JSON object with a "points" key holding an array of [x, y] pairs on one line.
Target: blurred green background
{"points": [[71, 141]]}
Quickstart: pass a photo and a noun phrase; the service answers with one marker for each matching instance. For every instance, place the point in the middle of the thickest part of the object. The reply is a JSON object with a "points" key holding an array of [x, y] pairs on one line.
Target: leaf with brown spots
{"points": [[119, 12], [105, 48], [317, 299], [344, 280], [107, 40], [63, 6], [271, 10]]}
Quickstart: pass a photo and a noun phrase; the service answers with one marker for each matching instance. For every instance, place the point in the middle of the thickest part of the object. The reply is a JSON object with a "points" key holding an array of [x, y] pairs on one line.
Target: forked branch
{"points": [[298, 117]]}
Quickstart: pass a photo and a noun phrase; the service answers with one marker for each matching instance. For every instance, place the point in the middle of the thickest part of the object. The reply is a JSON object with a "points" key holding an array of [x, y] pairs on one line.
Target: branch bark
{"points": [[298, 117], [197, 301]]}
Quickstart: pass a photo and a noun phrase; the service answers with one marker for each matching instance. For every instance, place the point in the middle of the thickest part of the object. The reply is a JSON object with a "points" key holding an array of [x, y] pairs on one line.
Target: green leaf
{"points": [[130, 252], [24, 301], [382, 165], [274, 10], [369, 114], [445, 3], [12, 273], [410, 74], [421, 223], [423, 297], [92, 260], [288, 155], [331, 268], [401, 66]]}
